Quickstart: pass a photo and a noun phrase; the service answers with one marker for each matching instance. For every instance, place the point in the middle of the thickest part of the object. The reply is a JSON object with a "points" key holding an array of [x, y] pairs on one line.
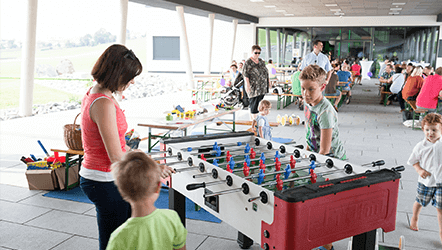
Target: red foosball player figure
{"points": [[277, 164], [229, 169], [292, 162], [279, 183], [203, 158], [313, 176], [246, 169], [228, 156]]}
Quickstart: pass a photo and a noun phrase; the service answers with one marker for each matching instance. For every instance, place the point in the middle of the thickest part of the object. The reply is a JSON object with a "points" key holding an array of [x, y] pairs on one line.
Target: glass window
{"points": [[166, 48], [388, 42]]}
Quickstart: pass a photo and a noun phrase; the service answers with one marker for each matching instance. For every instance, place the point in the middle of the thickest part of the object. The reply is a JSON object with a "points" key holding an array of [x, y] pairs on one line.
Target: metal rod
{"points": [[163, 158], [235, 190], [283, 171], [185, 169], [220, 145], [156, 152], [173, 163], [215, 183], [254, 198], [201, 175]]}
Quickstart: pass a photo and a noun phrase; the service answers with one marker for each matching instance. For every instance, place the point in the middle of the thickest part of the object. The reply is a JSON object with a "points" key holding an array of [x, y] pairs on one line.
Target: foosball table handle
{"points": [[398, 169], [194, 186]]}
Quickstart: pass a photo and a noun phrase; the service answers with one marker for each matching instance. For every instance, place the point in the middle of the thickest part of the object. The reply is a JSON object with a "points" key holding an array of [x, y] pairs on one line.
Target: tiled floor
{"points": [[30, 221]]}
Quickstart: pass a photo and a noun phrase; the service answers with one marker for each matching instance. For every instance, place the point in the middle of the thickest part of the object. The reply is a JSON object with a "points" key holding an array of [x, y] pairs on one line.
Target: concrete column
{"points": [[305, 48], [438, 56], [421, 45], [184, 40], [235, 25], [209, 52], [427, 46], [284, 46], [254, 32], [278, 48], [431, 45], [121, 38], [28, 60], [293, 45], [268, 44], [416, 44]]}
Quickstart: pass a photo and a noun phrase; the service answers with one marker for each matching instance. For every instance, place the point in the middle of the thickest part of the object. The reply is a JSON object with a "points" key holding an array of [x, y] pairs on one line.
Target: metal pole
{"points": [[123, 22], [278, 47], [28, 60], [235, 25], [268, 44], [209, 62], [284, 46], [189, 72]]}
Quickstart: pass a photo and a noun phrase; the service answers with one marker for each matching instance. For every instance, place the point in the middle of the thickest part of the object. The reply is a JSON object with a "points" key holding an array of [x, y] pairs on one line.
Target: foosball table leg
{"points": [[177, 202], [243, 241], [364, 241]]}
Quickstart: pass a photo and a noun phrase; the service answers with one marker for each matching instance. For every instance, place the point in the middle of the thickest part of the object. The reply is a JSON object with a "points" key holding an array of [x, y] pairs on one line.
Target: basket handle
{"points": [[76, 118]]}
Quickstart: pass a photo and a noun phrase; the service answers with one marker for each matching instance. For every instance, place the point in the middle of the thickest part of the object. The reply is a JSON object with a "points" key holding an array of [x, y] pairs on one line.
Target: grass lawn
{"points": [[10, 94], [83, 59]]}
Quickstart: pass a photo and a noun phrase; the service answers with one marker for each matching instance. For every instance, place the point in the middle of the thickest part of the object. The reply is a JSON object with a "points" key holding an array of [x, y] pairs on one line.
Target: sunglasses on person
{"points": [[257, 53]]}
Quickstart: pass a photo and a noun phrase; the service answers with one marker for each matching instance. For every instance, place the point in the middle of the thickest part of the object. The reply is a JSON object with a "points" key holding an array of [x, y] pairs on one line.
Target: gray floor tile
{"points": [[194, 240], [13, 193], [68, 223], [91, 212], [6, 163], [424, 239], [222, 229], [19, 213], [212, 243], [78, 243], [17, 236], [58, 204]]}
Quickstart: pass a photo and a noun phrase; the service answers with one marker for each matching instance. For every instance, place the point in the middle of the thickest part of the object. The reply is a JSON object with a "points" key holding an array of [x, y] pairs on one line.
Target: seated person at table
{"points": [[428, 71], [137, 178], [296, 88], [345, 76], [413, 85], [233, 74], [430, 93], [330, 89], [398, 80], [356, 68], [386, 81]]}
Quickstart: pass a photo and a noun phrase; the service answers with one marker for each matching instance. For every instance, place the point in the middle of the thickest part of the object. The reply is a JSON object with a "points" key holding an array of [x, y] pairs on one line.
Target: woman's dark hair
{"points": [[116, 67], [398, 69]]}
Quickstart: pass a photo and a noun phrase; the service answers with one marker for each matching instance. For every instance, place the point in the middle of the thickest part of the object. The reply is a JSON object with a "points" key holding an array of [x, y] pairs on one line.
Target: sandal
{"points": [[348, 100]]}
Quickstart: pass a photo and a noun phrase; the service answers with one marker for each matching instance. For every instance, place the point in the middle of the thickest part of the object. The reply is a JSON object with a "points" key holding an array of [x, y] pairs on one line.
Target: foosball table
{"points": [[281, 196]]}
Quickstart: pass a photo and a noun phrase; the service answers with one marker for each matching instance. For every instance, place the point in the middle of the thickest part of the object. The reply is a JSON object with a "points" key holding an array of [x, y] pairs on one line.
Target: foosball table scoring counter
{"points": [[281, 196]]}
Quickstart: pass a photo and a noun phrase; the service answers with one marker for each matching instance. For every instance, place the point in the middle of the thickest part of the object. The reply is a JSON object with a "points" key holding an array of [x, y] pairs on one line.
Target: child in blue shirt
{"points": [[261, 123], [344, 75]]}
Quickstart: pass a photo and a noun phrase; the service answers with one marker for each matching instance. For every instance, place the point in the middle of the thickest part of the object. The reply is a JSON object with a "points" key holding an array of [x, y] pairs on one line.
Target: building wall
{"points": [[162, 22]]}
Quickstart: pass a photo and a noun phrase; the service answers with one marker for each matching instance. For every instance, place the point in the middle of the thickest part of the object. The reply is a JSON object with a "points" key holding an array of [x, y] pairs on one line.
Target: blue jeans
{"points": [[112, 210]]}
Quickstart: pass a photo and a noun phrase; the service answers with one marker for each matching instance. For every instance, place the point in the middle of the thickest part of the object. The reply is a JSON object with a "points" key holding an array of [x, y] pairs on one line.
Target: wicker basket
{"points": [[72, 136]]}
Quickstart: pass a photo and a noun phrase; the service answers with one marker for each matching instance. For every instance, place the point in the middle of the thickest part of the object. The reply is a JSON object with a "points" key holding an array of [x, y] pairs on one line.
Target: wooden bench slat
{"points": [[247, 123]]}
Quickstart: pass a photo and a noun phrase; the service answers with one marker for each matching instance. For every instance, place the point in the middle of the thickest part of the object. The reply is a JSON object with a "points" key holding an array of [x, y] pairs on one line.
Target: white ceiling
{"points": [[307, 8]]}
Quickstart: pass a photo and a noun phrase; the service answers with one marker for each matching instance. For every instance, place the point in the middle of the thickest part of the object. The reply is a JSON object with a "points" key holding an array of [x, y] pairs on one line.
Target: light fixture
{"points": [[335, 9], [270, 6], [339, 13], [395, 8], [280, 10], [331, 5], [289, 14], [398, 4], [256, 1], [393, 13]]}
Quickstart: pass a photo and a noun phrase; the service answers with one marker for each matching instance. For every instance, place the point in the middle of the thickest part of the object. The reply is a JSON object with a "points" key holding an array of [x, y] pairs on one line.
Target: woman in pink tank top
{"points": [[103, 125]]}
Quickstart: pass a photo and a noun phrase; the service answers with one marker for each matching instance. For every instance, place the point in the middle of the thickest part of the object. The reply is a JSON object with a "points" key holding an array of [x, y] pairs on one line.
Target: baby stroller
{"points": [[235, 95]]}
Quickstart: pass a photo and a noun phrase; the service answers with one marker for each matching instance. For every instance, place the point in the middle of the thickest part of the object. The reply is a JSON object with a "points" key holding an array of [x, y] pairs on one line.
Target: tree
{"points": [[102, 36], [86, 40]]}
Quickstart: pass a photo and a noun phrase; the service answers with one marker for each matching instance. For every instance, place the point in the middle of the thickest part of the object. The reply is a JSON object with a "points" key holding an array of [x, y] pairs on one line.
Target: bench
{"points": [[415, 111], [286, 99], [69, 162], [387, 95]]}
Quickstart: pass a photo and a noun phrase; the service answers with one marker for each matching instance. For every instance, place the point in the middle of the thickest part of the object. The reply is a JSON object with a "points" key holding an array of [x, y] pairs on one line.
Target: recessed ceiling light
{"points": [[398, 4], [339, 14], [331, 5], [280, 10], [395, 8], [335, 9], [256, 1], [270, 6], [289, 14], [393, 13]]}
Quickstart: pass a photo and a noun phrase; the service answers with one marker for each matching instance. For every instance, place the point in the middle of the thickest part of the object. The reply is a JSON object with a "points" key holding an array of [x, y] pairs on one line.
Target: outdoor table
{"points": [[365, 69]]}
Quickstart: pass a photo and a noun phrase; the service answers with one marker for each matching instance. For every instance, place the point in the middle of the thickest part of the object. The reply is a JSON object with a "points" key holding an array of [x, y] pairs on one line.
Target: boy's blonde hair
{"points": [[136, 175], [313, 73], [432, 118], [264, 104]]}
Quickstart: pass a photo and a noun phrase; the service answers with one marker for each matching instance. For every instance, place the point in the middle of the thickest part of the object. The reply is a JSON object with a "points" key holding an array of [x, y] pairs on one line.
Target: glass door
{"points": [[355, 49]]}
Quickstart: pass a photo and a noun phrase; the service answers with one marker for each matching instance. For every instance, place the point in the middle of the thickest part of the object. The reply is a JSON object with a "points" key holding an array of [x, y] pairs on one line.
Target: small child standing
{"points": [[137, 178], [261, 123], [426, 158]]}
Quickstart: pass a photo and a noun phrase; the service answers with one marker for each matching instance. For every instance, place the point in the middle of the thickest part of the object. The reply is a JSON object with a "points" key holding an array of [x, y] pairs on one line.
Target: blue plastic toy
{"points": [[260, 177], [247, 149], [287, 172]]}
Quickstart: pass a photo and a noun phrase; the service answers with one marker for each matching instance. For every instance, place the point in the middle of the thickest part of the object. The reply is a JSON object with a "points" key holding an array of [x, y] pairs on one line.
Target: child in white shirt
{"points": [[426, 158]]}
